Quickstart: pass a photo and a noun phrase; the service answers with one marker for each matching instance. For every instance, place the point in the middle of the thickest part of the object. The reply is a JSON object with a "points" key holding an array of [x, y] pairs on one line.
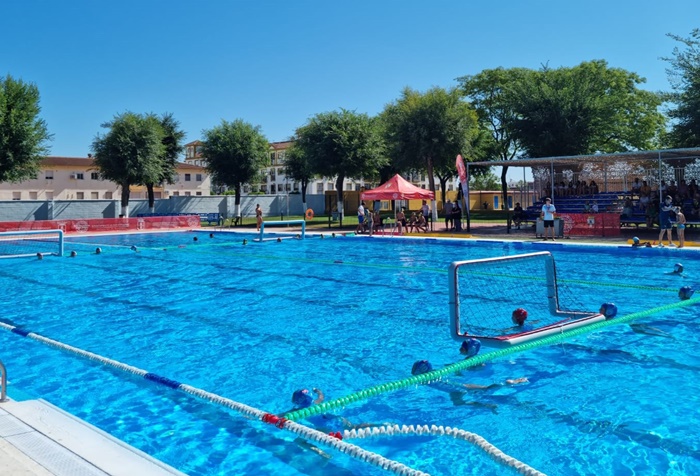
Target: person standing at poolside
{"points": [[680, 224], [258, 216], [360, 218], [665, 221], [448, 215], [548, 211]]}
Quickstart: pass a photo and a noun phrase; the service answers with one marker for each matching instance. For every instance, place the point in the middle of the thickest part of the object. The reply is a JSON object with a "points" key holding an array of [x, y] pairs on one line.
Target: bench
{"points": [[210, 218], [635, 220]]}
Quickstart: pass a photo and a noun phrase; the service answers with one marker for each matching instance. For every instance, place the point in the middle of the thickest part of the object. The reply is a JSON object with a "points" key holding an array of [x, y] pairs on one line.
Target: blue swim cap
{"points": [[302, 398], [686, 292], [470, 347], [608, 309], [421, 367], [677, 268], [635, 240]]}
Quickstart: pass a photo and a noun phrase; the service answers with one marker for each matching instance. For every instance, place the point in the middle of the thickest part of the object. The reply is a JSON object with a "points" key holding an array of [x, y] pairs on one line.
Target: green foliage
{"points": [[341, 143], [132, 152], [173, 138], [298, 168], [235, 152], [484, 181], [684, 75], [23, 136], [489, 93], [425, 132], [586, 109]]}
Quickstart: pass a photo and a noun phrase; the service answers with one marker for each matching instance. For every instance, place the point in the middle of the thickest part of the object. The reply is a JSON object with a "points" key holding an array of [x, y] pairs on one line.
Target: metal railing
{"points": [[3, 383]]}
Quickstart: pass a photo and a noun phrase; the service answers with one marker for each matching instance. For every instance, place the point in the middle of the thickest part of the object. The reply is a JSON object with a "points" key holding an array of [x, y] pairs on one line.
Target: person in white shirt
{"points": [[360, 218], [547, 215]]}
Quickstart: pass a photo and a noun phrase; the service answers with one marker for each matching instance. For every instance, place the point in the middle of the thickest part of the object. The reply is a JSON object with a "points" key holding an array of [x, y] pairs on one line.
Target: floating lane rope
{"points": [[473, 438], [251, 412], [326, 407]]}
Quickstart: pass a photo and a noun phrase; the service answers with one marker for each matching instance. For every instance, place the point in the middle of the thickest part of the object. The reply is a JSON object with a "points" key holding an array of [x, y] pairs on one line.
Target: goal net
{"points": [[15, 244], [509, 300], [282, 230]]}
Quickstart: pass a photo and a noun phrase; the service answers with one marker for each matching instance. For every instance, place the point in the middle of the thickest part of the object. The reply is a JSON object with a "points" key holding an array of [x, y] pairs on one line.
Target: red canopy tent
{"points": [[397, 188]]}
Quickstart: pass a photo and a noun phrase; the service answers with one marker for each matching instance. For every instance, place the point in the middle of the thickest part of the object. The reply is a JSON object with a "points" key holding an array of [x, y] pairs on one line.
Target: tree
{"points": [[684, 75], [427, 132], [131, 153], [235, 152], [342, 144], [298, 168], [586, 109], [172, 148], [23, 136], [486, 181], [489, 93]]}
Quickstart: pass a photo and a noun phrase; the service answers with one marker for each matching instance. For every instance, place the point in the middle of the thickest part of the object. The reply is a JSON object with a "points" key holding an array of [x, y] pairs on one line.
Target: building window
{"points": [[33, 195], [48, 174], [331, 186], [94, 176], [190, 152], [198, 177], [273, 189], [348, 187], [108, 195], [188, 177], [198, 194], [95, 195], [176, 194], [288, 187], [263, 188], [80, 176], [246, 189], [319, 187], [187, 194], [16, 195], [80, 195], [273, 174], [272, 158]]}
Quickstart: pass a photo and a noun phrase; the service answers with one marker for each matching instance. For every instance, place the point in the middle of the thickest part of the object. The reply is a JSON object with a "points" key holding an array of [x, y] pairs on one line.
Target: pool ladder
{"points": [[3, 383]]}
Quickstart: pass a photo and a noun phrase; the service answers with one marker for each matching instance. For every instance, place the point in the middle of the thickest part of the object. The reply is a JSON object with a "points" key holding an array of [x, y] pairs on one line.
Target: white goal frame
{"points": [[566, 320]]}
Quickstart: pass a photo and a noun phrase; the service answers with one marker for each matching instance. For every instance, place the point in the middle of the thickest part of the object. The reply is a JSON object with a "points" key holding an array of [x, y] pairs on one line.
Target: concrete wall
{"points": [[272, 206]]}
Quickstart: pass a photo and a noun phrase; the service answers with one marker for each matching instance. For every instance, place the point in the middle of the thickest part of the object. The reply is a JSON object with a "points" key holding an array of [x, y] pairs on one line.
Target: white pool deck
{"points": [[38, 438]]}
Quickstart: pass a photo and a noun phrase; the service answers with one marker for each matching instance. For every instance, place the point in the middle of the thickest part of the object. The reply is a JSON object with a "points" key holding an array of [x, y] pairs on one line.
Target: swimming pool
{"points": [[254, 323]]}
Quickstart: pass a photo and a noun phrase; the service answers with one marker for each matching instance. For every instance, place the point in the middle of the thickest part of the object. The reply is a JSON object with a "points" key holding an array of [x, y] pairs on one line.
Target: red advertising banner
{"points": [[591, 224], [97, 225]]}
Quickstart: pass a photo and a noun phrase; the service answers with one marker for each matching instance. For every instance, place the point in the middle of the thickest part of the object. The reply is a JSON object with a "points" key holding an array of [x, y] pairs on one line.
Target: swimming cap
{"points": [[519, 316], [302, 398], [635, 240], [677, 268], [421, 367], [470, 347], [686, 292], [608, 309]]}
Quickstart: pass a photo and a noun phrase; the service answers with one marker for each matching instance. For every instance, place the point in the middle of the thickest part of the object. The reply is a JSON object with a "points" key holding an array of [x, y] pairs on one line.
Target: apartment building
{"points": [[77, 178], [276, 182]]}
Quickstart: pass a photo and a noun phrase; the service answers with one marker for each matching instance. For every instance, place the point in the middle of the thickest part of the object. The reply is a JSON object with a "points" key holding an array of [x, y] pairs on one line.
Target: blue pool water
{"points": [[254, 323]]}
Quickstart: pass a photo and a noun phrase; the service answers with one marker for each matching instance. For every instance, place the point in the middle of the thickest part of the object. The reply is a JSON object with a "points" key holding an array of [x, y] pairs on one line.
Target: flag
{"points": [[462, 172]]}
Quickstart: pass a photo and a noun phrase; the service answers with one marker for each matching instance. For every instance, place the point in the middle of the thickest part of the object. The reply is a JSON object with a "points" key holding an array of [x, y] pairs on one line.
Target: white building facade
{"points": [[77, 178]]}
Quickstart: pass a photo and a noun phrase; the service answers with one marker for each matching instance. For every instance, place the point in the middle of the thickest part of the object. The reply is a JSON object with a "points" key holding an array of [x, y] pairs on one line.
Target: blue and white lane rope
{"points": [[254, 413]]}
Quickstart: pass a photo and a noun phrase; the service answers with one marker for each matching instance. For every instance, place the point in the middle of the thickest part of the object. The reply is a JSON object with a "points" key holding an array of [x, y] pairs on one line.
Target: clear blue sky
{"points": [[277, 63]]}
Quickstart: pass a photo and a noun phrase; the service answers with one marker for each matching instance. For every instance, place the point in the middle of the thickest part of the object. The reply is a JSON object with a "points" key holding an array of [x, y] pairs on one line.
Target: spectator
{"points": [[593, 187], [518, 215], [448, 215], [636, 187], [457, 217], [425, 211]]}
